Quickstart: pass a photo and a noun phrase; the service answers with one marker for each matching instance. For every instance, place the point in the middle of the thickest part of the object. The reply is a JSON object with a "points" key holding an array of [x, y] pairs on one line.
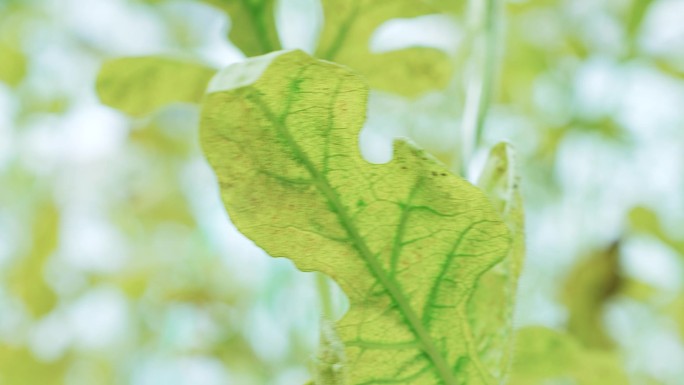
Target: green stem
{"points": [[482, 69], [257, 11], [325, 295]]}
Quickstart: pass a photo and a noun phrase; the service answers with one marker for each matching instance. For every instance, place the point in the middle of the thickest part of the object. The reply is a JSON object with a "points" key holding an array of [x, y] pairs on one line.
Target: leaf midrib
{"points": [[321, 182]]}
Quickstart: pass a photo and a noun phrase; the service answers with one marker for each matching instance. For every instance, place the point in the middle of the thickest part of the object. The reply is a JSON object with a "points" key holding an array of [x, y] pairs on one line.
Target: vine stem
{"points": [[484, 24], [325, 295]]}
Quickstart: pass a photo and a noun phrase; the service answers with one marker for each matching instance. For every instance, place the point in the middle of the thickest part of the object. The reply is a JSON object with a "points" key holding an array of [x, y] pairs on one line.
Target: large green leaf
{"points": [[545, 356], [252, 25], [407, 241], [491, 307], [140, 85], [346, 36]]}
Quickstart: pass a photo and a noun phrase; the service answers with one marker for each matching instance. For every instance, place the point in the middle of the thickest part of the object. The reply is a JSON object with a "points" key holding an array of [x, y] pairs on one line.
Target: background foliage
{"points": [[118, 264]]}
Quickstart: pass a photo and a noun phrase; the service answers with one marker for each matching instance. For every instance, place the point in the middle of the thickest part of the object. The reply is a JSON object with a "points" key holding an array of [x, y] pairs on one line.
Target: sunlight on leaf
{"points": [[407, 241], [140, 85]]}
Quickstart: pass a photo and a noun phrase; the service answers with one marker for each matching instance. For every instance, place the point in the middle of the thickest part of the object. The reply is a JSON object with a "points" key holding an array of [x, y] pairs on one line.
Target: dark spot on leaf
{"points": [[360, 203], [434, 173]]}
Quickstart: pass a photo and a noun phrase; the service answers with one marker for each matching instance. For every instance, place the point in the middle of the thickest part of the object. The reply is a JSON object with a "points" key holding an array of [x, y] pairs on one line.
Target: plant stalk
{"points": [[484, 24], [325, 295]]}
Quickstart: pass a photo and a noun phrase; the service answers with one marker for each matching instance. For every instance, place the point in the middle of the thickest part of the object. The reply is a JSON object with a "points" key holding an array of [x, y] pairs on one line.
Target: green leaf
{"points": [[253, 29], [587, 290], [346, 36], [545, 356], [140, 85], [491, 307], [407, 241]]}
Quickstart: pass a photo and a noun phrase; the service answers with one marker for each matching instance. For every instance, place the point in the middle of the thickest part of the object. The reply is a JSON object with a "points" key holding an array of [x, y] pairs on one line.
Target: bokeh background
{"points": [[118, 264]]}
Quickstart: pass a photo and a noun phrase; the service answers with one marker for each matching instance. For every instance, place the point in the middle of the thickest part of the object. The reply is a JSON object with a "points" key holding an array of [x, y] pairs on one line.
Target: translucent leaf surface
{"points": [[346, 35], [140, 85], [407, 241]]}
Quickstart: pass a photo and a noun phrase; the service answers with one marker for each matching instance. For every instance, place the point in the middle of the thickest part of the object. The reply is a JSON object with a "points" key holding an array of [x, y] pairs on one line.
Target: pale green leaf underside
{"points": [[140, 85], [407, 241], [346, 36]]}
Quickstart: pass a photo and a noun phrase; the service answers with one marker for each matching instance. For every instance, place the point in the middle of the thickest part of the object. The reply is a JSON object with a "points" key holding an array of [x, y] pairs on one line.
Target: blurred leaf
{"points": [[587, 289], [20, 367], [407, 241], [492, 304], [13, 63], [637, 290], [346, 35], [170, 133], [676, 310], [670, 67], [25, 279], [253, 29], [545, 356], [140, 85], [153, 138], [156, 206], [635, 17], [644, 220]]}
